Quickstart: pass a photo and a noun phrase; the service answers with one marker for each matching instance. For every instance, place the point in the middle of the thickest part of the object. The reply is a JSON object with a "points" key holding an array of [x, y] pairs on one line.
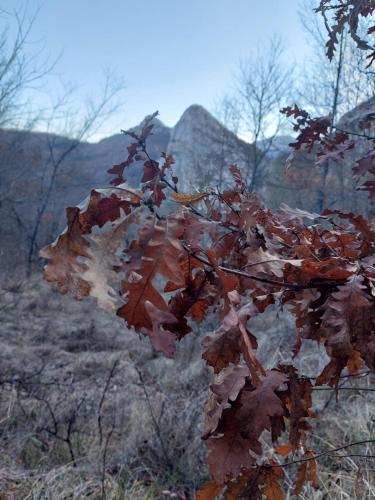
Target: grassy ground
{"points": [[89, 410]]}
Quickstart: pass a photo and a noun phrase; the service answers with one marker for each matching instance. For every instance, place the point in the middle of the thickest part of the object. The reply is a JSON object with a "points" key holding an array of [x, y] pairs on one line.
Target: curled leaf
{"points": [[188, 198]]}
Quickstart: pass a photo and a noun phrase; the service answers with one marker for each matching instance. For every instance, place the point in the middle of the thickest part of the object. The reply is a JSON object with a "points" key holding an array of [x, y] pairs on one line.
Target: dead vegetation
{"points": [[89, 410]]}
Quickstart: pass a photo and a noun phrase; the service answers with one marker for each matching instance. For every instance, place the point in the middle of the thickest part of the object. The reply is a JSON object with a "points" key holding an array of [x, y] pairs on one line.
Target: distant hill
{"points": [[26, 167], [202, 147]]}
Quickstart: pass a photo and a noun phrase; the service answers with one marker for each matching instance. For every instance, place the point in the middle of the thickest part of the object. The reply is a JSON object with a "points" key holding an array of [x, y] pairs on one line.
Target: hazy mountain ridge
{"points": [[202, 148]]}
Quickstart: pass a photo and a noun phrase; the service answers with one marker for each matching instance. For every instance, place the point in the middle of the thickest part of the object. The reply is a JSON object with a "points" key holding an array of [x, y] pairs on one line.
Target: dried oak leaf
{"points": [[329, 269], [106, 205], [287, 214], [103, 259], [271, 488], [298, 401], [157, 187], [134, 149], [237, 177], [331, 372], [245, 487], [156, 253], [307, 471], [74, 264], [64, 267], [150, 170], [349, 320], [229, 281], [284, 449], [194, 300], [268, 263], [249, 342], [233, 339], [162, 339], [222, 393], [360, 228], [209, 491], [256, 484], [241, 425], [229, 453], [188, 198], [199, 309], [226, 345]]}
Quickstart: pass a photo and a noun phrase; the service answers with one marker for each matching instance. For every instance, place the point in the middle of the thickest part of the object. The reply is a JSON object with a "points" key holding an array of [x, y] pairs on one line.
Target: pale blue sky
{"points": [[171, 53]]}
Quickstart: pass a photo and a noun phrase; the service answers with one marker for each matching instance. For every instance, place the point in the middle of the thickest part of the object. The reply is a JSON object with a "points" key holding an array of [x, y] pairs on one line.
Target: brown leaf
{"points": [[188, 198], [150, 170], [258, 483], [246, 487], [241, 426], [307, 471], [79, 263], [287, 214], [162, 339], [65, 269], [103, 259], [229, 281], [331, 372], [198, 310], [232, 380], [223, 348], [327, 269], [156, 253], [266, 262], [237, 176], [249, 342], [226, 345], [228, 454], [194, 300], [271, 488], [209, 491], [347, 319], [283, 449]]}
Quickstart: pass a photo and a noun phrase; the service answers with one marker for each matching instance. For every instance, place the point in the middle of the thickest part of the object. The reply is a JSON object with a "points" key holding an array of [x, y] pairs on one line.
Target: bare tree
{"points": [[78, 125], [320, 88], [227, 113], [20, 69], [31, 164], [331, 87], [264, 84]]}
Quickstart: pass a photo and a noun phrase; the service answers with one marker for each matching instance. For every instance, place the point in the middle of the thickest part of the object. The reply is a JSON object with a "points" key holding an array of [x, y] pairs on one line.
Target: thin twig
{"points": [[323, 453], [102, 399], [349, 375], [357, 134], [268, 281], [104, 458], [369, 389], [154, 419]]}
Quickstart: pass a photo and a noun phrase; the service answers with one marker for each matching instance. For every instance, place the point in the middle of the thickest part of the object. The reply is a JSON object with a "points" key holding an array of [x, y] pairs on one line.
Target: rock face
{"points": [[203, 148], [363, 112]]}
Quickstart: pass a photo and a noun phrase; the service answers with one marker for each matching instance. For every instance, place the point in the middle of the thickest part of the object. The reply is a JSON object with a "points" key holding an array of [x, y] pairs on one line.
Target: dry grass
{"points": [[70, 429]]}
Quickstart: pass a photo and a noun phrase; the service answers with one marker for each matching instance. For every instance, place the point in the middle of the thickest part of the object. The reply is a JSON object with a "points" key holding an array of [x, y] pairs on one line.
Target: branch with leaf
{"points": [[164, 268]]}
